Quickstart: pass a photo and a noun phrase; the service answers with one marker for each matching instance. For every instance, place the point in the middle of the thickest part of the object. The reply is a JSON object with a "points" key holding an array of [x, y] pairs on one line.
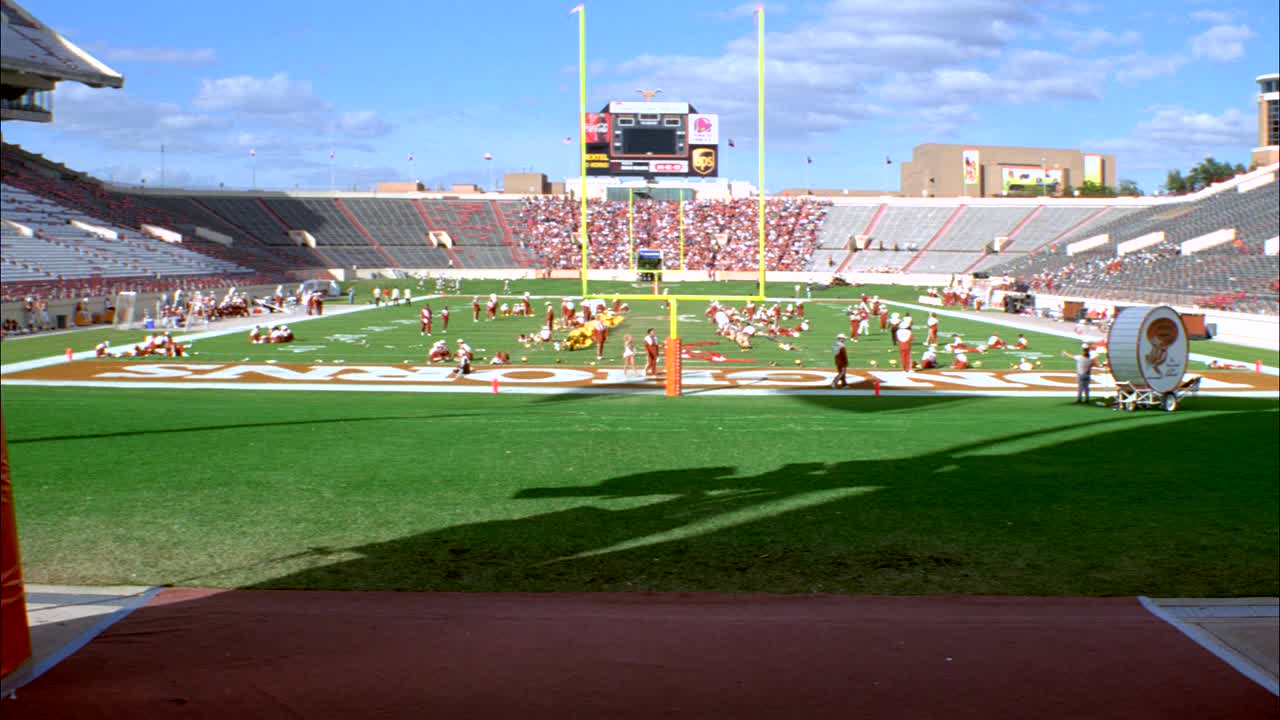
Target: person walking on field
{"points": [[650, 354], [842, 362], [628, 356], [1085, 363]]}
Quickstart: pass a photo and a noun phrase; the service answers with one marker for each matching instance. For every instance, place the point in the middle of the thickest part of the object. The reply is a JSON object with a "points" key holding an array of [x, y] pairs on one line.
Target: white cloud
{"points": [[1211, 16], [1085, 41], [1221, 43], [824, 75], [121, 120], [159, 56], [1175, 136], [275, 95], [361, 124], [749, 10], [1140, 66]]}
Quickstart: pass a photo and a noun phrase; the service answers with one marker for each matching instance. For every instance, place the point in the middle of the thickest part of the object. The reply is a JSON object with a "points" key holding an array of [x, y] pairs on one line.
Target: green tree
{"points": [[1129, 188], [1174, 183], [1092, 189]]}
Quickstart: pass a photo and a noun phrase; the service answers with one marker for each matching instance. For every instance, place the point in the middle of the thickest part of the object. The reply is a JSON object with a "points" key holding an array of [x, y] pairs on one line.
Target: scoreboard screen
{"points": [[651, 139]]}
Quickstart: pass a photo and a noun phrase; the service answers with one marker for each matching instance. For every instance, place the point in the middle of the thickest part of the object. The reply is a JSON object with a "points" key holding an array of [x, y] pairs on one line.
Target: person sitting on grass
{"points": [[929, 358], [439, 352], [961, 362], [1022, 343], [995, 342]]}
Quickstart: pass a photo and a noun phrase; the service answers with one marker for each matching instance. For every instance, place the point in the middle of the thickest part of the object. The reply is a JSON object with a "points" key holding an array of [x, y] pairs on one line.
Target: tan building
{"points": [[992, 171], [1268, 150], [525, 184], [399, 187]]}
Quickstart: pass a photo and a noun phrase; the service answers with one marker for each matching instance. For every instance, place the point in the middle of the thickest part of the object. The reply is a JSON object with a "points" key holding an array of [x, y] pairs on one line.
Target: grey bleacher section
{"points": [[335, 236], [399, 229], [879, 260], [835, 237], [245, 212], [269, 245], [964, 242], [476, 230], [1042, 229], [63, 250], [901, 232]]}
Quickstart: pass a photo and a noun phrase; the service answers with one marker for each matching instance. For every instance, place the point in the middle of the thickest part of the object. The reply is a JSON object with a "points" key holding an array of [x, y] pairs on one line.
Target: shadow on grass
{"points": [[1103, 507]]}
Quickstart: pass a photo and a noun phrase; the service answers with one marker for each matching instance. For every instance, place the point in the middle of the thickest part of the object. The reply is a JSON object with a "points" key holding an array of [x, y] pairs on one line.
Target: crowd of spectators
{"points": [[718, 234]]}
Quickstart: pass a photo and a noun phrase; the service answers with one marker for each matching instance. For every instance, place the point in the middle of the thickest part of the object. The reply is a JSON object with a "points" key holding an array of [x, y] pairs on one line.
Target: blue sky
{"points": [[849, 82]]}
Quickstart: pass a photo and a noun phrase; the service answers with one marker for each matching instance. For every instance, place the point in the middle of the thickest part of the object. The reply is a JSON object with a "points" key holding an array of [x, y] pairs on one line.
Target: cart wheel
{"points": [[1170, 402]]}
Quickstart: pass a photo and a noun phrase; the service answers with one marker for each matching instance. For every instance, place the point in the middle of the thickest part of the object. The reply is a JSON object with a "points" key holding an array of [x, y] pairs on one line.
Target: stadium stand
{"points": [[719, 235], [400, 229], [63, 250], [1235, 275]]}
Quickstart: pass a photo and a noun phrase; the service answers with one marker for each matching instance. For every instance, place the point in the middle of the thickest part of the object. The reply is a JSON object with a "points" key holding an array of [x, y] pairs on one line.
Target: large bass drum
{"points": [[1147, 348]]}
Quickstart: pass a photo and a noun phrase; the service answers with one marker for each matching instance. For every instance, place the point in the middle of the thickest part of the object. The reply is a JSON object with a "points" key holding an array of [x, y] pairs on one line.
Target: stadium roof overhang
{"points": [[34, 58]]}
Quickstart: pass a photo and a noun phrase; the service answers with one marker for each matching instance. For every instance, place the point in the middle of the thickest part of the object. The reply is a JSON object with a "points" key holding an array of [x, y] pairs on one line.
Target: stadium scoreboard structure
{"points": [[651, 139]]}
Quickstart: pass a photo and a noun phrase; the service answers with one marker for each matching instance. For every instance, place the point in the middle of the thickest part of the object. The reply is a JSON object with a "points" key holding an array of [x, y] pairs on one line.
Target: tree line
{"points": [[1208, 172]]}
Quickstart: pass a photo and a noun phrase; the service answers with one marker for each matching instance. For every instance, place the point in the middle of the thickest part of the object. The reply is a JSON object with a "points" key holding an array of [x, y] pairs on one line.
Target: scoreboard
{"points": [[652, 139]]}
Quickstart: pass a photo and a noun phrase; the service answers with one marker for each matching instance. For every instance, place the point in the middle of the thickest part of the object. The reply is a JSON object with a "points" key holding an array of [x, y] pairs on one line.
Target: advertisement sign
{"points": [[596, 126], [704, 129], [1093, 169], [646, 167], [970, 158], [1016, 179], [704, 161]]}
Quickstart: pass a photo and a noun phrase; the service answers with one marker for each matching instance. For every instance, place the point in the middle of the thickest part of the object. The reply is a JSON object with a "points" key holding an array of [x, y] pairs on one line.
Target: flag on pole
{"points": [[487, 156], [887, 161], [731, 143], [330, 154], [577, 9], [808, 160], [410, 157], [568, 141], [253, 152]]}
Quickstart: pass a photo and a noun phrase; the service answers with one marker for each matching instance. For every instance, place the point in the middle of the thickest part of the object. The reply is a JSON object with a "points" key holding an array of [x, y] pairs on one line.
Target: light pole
{"points": [[253, 176], [161, 164]]}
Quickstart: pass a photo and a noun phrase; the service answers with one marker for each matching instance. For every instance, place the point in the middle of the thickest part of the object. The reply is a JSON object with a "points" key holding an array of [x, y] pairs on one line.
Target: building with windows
{"points": [[1268, 150]]}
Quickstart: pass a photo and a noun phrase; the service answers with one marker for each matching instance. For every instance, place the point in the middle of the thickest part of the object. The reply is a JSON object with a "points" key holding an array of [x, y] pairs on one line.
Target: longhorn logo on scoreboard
{"points": [[704, 161]]}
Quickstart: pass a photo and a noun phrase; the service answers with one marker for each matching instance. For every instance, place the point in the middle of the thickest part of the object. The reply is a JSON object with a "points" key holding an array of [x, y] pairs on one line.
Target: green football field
{"points": [[568, 492]]}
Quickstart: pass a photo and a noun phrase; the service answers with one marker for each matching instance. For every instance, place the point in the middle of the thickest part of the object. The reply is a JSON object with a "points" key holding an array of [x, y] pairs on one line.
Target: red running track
{"points": [[264, 654]]}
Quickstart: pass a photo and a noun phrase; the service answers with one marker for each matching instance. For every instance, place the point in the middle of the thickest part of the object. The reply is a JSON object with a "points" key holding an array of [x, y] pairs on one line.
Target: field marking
{"points": [[569, 389]]}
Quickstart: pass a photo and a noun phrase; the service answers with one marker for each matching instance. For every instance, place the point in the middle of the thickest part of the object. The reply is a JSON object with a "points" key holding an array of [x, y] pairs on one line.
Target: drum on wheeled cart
{"points": [[1148, 349]]}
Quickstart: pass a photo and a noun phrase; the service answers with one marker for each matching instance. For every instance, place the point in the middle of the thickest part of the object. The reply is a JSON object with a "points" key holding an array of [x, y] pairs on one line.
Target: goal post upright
{"points": [[760, 125], [582, 137], [673, 361]]}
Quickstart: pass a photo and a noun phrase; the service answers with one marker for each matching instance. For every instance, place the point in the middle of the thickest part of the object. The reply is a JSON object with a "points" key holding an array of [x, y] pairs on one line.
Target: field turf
{"points": [[897, 495], [390, 335]]}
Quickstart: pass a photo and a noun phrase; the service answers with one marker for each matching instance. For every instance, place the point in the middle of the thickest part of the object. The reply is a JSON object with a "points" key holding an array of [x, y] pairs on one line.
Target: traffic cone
{"points": [[1257, 366], [494, 385], [877, 388], [69, 353]]}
